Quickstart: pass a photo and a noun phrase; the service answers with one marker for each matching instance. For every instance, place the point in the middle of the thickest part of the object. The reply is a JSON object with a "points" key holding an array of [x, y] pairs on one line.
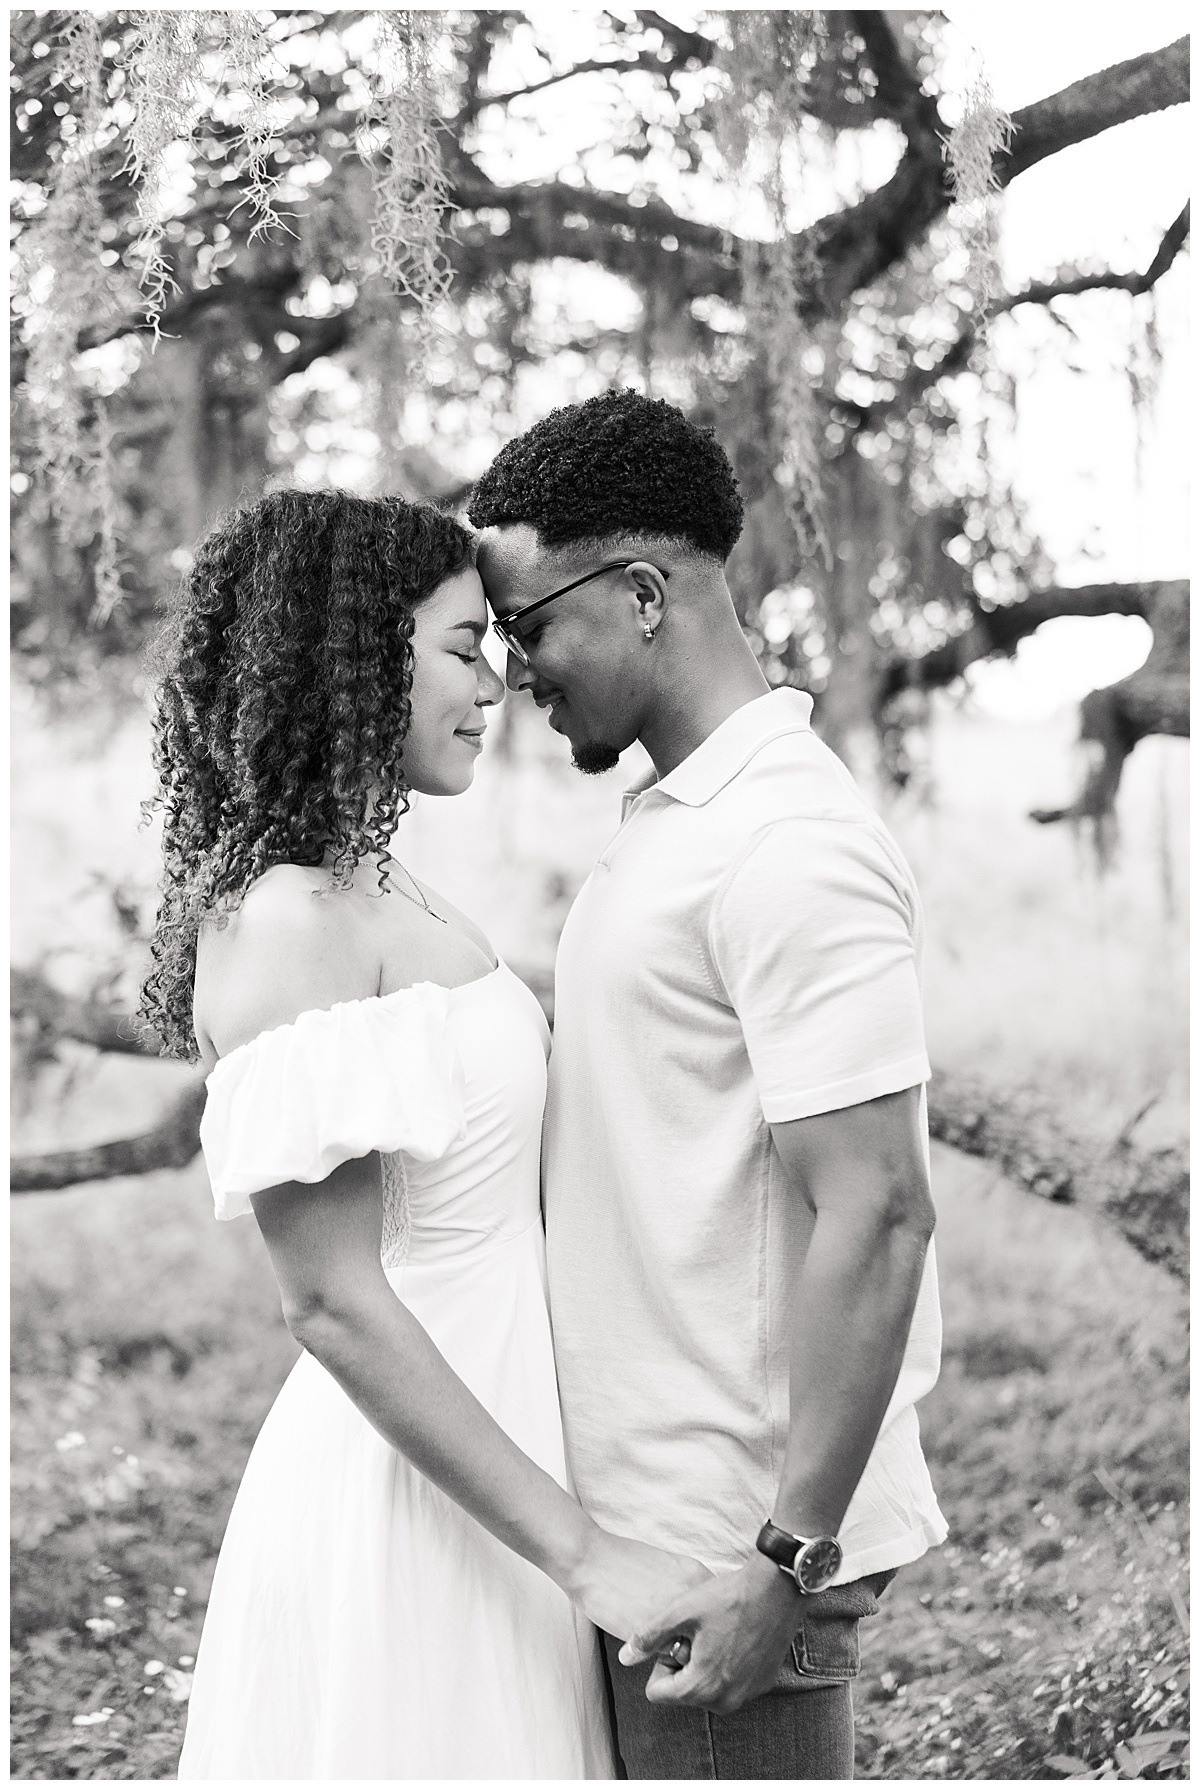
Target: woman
{"points": [[406, 1586]]}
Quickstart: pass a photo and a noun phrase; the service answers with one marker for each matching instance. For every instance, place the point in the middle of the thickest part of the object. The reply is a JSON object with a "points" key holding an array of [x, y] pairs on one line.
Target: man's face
{"points": [[584, 665]]}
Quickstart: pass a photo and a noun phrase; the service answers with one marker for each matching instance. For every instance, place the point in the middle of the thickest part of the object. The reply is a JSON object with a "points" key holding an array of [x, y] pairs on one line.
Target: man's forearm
{"points": [[854, 1307]]}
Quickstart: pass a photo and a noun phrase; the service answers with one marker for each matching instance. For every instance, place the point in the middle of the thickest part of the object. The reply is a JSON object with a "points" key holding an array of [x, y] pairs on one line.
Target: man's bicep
{"points": [[831, 1158]]}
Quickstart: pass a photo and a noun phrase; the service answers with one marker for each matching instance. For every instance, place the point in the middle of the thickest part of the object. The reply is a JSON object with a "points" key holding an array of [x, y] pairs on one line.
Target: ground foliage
{"points": [[148, 1345]]}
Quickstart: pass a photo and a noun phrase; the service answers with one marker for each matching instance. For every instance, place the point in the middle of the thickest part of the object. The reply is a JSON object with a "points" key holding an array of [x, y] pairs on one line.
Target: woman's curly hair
{"points": [[282, 704]]}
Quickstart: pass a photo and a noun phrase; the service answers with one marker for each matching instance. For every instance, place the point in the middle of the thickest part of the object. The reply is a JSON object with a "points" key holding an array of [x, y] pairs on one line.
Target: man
{"points": [[737, 1203]]}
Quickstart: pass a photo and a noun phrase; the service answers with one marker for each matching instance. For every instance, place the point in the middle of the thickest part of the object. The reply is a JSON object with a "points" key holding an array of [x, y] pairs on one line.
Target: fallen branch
{"points": [[1144, 1193], [59, 1015], [170, 1145]]}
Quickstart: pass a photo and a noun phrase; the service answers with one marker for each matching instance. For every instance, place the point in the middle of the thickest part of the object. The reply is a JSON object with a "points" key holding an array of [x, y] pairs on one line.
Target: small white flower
{"points": [[101, 1626], [114, 1603], [187, 1659], [147, 1690], [180, 1591], [72, 1439], [178, 1685], [90, 1720], [153, 1667]]}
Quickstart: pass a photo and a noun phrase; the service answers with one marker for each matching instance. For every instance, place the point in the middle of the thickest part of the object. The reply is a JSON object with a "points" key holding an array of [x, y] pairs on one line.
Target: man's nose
{"points": [[518, 675]]}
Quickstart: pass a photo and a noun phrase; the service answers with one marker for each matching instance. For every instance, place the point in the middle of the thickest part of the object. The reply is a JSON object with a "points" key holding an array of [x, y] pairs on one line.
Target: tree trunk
{"points": [[867, 524], [216, 399]]}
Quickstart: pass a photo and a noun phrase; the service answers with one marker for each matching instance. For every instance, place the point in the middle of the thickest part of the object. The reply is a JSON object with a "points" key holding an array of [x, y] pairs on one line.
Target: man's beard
{"points": [[593, 758]]}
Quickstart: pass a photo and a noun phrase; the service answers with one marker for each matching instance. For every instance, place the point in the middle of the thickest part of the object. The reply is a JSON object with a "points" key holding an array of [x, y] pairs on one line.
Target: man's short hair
{"points": [[615, 466]]}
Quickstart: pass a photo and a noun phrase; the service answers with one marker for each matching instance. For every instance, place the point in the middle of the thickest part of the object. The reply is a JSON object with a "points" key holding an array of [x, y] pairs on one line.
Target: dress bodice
{"points": [[447, 1084]]}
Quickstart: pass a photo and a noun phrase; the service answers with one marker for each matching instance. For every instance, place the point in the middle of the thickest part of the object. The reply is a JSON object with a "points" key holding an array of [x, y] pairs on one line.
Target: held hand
{"points": [[624, 1585], [739, 1625]]}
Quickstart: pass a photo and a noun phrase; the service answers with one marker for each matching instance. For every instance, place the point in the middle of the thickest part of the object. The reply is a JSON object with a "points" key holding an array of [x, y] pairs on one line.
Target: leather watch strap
{"points": [[778, 1545]]}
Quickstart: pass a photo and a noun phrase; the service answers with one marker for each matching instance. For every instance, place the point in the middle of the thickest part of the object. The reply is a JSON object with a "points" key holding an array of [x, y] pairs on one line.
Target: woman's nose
{"points": [[491, 685]]}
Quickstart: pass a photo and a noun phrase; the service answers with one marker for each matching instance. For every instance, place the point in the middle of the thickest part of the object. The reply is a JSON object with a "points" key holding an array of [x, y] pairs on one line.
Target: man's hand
{"points": [[739, 1625]]}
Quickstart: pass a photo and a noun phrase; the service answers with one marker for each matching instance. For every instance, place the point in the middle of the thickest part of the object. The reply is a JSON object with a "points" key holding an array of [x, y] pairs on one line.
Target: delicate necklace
{"points": [[418, 899]]}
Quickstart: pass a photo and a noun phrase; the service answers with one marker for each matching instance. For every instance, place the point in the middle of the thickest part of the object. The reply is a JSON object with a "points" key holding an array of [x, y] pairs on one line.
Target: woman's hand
{"points": [[624, 1586]]}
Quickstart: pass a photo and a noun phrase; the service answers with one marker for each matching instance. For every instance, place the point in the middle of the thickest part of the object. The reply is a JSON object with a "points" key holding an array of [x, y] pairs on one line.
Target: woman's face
{"points": [[452, 685]]}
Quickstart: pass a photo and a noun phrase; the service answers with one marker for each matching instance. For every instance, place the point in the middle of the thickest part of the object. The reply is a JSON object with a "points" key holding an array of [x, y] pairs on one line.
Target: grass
{"points": [[1045, 1639], [147, 1346], [1051, 1625]]}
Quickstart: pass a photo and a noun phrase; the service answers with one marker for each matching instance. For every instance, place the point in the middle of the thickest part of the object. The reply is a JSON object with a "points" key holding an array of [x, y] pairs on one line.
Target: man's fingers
{"points": [[647, 1644], [667, 1685], [673, 1653]]}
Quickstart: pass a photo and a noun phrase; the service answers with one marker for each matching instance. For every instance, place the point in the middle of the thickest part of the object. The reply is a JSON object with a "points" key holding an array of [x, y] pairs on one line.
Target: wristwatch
{"points": [[812, 1560]]}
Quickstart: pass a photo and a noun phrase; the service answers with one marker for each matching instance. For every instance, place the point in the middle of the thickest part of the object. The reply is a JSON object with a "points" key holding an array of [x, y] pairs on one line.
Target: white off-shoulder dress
{"points": [[361, 1625]]}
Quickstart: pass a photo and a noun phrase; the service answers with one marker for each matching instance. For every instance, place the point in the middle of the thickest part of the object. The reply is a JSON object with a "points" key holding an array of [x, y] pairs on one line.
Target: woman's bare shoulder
{"points": [[295, 942]]}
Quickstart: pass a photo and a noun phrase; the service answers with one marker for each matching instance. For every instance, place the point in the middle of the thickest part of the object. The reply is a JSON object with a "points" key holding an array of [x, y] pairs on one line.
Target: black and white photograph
{"points": [[599, 691]]}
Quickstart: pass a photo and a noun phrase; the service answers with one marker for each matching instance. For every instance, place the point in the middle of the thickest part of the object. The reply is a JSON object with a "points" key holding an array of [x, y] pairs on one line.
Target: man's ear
{"points": [[648, 592]]}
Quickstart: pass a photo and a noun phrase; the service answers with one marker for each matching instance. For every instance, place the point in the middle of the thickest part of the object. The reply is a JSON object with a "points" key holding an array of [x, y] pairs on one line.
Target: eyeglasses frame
{"points": [[502, 625]]}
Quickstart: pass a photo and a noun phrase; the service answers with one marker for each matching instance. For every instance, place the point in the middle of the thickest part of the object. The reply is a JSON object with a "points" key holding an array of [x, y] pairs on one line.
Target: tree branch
{"points": [[1132, 89], [170, 1145], [1043, 292], [852, 247], [688, 46], [957, 355], [1143, 1192], [999, 630], [60, 1015], [898, 95], [1153, 699], [643, 60]]}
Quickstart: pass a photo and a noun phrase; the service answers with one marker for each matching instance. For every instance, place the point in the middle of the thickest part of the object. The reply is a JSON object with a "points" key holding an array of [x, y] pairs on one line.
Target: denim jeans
{"points": [[802, 1728]]}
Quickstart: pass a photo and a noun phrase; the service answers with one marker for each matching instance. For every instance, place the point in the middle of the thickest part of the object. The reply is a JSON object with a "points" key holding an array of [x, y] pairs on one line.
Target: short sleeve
{"points": [[814, 938], [380, 1074]]}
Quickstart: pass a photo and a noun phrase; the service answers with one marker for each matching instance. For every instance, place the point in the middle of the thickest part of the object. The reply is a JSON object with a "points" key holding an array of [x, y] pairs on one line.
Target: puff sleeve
{"points": [[379, 1074]]}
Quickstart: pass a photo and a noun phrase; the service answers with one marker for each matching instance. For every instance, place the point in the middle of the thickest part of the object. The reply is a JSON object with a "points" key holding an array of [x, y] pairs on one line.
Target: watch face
{"points": [[817, 1563]]}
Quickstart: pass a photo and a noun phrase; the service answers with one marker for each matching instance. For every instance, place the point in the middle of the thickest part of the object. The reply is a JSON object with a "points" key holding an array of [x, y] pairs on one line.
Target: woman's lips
{"points": [[472, 735]]}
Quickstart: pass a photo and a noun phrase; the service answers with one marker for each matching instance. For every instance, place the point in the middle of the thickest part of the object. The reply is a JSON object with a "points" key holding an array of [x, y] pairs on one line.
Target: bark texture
{"points": [[171, 1143], [1144, 1193]]}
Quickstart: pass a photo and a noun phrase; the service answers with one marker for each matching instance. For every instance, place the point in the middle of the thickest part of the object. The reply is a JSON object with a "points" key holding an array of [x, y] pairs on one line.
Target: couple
{"points": [[428, 1572]]}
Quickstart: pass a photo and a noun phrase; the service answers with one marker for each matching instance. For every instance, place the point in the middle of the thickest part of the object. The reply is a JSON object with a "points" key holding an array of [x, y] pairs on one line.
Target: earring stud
{"points": [[648, 631]]}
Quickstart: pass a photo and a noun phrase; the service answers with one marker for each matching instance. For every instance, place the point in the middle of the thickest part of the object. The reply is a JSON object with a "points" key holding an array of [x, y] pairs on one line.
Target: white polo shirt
{"points": [[747, 950]]}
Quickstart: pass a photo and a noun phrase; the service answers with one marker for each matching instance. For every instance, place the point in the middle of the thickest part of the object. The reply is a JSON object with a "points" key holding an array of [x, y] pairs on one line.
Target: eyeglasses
{"points": [[503, 626]]}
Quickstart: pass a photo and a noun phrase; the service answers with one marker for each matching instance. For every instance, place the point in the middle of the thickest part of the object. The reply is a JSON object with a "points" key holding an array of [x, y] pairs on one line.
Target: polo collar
{"points": [[730, 747]]}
